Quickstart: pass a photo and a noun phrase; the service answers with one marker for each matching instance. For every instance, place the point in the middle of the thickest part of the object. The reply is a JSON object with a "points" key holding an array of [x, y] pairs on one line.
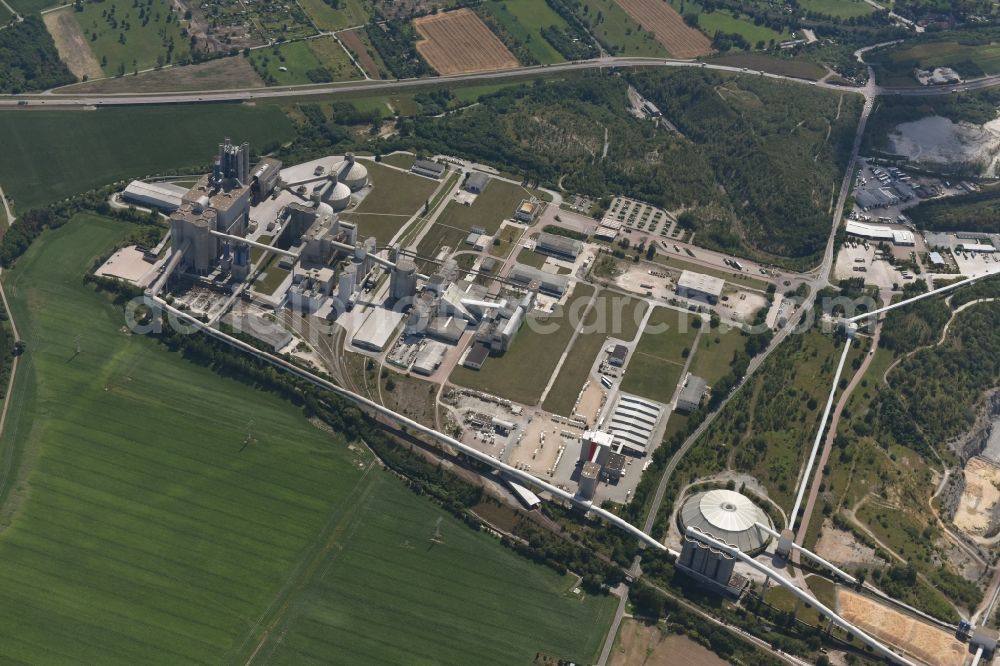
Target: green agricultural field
{"points": [[616, 30], [370, 608], [838, 8], [895, 66], [125, 38], [655, 367], [350, 13], [497, 202], [715, 353], [710, 22], [524, 19], [535, 347], [32, 6], [160, 513], [312, 61], [612, 316], [394, 199], [50, 155]]}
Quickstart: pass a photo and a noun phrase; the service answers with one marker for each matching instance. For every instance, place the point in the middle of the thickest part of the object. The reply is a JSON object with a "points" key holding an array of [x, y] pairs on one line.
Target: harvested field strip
{"points": [[458, 42], [658, 17], [72, 46], [352, 40], [220, 74]]}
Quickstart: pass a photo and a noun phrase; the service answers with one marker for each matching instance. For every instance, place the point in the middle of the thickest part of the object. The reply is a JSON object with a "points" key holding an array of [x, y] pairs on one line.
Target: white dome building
{"points": [[333, 194], [351, 173], [728, 516]]}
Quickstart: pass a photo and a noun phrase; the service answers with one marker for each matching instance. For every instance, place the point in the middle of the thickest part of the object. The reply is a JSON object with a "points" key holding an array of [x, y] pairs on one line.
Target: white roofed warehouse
{"points": [[697, 286], [162, 196]]}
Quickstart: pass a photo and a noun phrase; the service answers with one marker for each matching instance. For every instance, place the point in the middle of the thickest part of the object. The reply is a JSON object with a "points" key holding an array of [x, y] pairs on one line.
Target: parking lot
{"points": [[855, 256]]}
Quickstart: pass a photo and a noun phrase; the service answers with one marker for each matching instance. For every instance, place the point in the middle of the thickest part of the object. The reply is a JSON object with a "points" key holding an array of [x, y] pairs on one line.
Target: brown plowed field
{"points": [[459, 42], [656, 16], [352, 41]]}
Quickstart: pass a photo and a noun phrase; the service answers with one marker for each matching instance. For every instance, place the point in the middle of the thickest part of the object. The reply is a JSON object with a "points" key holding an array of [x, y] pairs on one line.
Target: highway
{"points": [[78, 100], [55, 99]]}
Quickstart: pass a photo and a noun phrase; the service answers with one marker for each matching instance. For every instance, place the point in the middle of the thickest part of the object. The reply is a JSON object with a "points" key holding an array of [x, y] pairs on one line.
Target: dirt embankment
{"points": [[976, 451], [73, 47]]}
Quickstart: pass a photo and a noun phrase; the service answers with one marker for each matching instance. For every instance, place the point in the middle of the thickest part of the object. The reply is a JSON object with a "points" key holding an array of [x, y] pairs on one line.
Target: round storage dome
{"points": [[339, 196], [352, 173], [728, 516]]}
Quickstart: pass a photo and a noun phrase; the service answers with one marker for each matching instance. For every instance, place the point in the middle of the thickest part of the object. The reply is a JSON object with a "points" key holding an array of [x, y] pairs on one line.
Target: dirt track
{"points": [[459, 42], [71, 44], [658, 17]]}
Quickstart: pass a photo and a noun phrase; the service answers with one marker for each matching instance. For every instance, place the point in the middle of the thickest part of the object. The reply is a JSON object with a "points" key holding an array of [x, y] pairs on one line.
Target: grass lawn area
{"points": [[497, 202], [505, 376], [658, 359], [529, 257], [129, 37], [144, 526], [524, 19], [401, 160], [710, 22], [609, 23], [395, 197], [274, 275], [612, 315], [304, 62], [350, 13], [469, 94], [715, 353], [802, 69], [841, 8], [256, 252], [507, 237], [49, 155]]}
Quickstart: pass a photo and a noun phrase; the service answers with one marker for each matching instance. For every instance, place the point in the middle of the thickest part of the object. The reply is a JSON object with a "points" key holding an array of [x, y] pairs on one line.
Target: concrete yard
{"points": [[128, 264], [877, 271], [543, 442]]}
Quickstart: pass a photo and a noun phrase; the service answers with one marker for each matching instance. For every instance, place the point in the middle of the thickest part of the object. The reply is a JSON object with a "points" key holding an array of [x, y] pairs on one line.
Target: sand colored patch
{"points": [[929, 644], [71, 44], [981, 494], [591, 401], [659, 18], [459, 42], [642, 645]]}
